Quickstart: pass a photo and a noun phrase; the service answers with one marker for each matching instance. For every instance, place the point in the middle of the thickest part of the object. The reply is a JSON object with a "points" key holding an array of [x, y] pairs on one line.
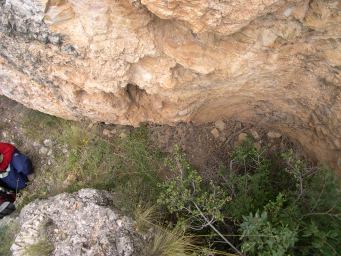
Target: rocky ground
{"points": [[206, 146]]}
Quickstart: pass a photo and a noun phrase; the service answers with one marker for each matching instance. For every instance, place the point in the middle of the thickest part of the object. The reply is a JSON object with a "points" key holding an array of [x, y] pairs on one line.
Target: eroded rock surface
{"points": [[77, 224], [271, 62]]}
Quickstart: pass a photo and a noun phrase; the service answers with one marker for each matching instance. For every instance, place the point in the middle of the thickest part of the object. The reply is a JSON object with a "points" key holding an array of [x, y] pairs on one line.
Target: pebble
{"points": [[274, 135], [123, 135], [220, 125], [107, 133], [215, 132], [48, 143], [254, 134], [241, 138], [43, 150], [119, 223], [54, 39]]}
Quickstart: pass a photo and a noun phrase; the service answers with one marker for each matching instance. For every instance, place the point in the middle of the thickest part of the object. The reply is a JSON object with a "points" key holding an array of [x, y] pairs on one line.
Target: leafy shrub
{"points": [[265, 234], [188, 196], [278, 204]]}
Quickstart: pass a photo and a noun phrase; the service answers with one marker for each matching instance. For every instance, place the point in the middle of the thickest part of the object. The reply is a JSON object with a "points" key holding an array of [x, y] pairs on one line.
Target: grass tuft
{"points": [[42, 248], [172, 242], [7, 235]]}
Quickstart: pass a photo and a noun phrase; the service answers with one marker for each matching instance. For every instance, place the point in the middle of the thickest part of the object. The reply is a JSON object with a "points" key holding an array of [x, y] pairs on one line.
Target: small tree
{"points": [[189, 196]]}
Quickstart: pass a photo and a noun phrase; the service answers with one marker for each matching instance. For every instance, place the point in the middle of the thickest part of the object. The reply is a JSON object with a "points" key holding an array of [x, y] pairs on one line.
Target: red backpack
{"points": [[6, 150]]}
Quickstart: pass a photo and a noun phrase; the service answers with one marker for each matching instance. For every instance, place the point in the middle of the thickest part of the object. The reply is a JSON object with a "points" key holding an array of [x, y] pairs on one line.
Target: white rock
{"points": [[43, 150], [220, 125], [274, 135], [107, 133], [48, 143], [215, 132], [84, 217]]}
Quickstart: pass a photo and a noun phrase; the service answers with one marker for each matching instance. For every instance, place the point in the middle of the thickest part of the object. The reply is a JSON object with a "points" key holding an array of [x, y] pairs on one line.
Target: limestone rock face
{"points": [[77, 224], [271, 62]]}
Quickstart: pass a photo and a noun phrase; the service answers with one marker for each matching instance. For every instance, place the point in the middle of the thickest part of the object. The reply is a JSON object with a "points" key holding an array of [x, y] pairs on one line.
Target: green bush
{"points": [[265, 234], [275, 204], [189, 197]]}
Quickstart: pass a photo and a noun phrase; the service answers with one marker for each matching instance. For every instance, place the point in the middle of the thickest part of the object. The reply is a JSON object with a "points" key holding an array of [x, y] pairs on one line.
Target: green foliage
{"points": [[42, 248], [247, 155], [279, 205], [136, 171], [307, 208], [249, 183], [40, 126], [188, 196], [88, 163], [260, 237], [320, 211], [7, 235], [265, 234], [126, 166]]}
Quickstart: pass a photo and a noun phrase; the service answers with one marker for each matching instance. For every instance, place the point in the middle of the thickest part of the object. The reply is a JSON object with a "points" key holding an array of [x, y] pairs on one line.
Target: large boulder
{"points": [[271, 62], [81, 223]]}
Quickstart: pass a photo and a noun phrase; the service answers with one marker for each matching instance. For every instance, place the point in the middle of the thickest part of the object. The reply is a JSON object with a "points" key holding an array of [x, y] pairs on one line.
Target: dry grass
{"points": [[172, 242]]}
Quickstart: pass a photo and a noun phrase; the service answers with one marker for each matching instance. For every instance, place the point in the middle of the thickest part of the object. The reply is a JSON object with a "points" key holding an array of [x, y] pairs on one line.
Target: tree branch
{"points": [[217, 231]]}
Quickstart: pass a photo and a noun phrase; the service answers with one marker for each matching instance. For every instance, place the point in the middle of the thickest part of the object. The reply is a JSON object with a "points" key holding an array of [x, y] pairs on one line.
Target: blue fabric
{"points": [[22, 163], [20, 168], [15, 180]]}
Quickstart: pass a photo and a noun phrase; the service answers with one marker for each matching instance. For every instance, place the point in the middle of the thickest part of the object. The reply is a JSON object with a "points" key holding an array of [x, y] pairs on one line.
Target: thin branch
{"points": [[217, 231], [319, 197]]}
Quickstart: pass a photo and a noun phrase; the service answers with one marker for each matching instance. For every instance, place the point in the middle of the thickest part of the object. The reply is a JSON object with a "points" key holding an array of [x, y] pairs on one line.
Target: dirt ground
{"points": [[207, 146]]}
